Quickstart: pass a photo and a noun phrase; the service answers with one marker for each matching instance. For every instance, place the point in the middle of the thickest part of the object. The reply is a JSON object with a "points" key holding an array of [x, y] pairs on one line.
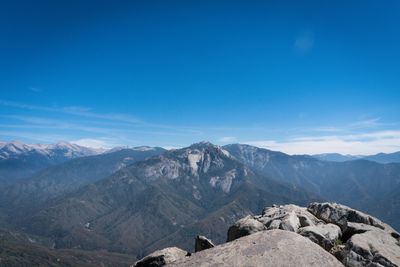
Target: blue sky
{"points": [[309, 77]]}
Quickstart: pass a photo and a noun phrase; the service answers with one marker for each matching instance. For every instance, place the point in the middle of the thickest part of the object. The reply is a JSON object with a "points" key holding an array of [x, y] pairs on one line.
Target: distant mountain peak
{"points": [[143, 148], [13, 148], [199, 162], [335, 157], [65, 144], [136, 148], [203, 144], [380, 157], [248, 147], [385, 157]]}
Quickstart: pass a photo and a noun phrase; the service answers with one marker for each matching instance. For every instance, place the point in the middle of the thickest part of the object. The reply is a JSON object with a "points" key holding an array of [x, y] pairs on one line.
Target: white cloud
{"points": [[227, 139], [356, 144], [171, 147]]}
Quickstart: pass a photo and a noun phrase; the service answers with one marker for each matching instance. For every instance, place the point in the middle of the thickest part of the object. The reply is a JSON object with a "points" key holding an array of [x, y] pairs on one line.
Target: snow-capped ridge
{"points": [[16, 148], [137, 148]]}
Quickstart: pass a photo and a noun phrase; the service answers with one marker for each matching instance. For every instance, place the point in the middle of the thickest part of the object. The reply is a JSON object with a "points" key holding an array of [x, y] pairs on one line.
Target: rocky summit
{"points": [[322, 234]]}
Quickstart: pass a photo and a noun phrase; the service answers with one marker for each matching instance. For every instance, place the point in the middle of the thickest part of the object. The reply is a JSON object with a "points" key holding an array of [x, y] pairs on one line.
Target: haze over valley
{"points": [[106, 199]]}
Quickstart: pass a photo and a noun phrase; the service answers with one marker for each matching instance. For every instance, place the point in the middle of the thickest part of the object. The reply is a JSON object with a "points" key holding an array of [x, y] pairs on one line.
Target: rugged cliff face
{"points": [[323, 234]]}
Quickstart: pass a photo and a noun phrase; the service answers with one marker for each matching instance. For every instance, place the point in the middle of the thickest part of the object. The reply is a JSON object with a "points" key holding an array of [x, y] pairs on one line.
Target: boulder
{"points": [[329, 213], [290, 222], [340, 215], [202, 243], [265, 248], [291, 217], [245, 226], [324, 235], [273, 224], [372, 248], [161, 257], [285, 217]]}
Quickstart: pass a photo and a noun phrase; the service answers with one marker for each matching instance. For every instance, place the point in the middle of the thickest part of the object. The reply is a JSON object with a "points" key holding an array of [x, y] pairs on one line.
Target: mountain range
{"points": [[160, 201], [19, 161], [137, 200], [28, 195], [380, 157], [363, 184]]}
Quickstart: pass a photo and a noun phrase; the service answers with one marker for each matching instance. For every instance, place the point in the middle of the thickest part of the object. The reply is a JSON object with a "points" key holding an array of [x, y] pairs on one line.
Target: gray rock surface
{"points": [[355, 238], [282, 235], [368, 241], [290, 217], [161, 257], [202, 243], [324, 235], [266, 248], [340, 215], [245, 226], [287, 217], [372, 248]]}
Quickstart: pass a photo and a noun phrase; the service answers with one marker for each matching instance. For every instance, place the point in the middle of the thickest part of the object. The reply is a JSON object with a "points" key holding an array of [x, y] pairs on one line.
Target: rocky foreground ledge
{"points": [[323, 234]]}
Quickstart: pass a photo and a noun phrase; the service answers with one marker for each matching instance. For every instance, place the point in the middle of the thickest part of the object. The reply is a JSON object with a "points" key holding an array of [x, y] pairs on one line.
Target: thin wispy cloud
{"points": [[110, 129], [35, 89], [34, 137], [367, 124], [304, 42], [355, 144], [327, 129], [83, 126], [85, 112], [72, 110], [87, 126], [227, 139]]}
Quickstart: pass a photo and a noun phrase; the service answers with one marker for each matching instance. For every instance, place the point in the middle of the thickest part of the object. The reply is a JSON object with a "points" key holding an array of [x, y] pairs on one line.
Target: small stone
{"points": [[202, 243], [161, 257]]}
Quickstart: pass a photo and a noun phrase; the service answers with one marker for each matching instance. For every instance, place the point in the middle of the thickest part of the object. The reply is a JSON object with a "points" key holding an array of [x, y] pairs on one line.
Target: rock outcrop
{"points": [[290, 218], [202, 243], [341, 215], [355, 238], [282, 235], [266, 248], [372, 248], [324, 235]]}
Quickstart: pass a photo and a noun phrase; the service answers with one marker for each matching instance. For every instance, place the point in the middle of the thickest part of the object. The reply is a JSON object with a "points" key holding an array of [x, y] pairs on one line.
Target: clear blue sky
{"points": [[298, 76]]}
